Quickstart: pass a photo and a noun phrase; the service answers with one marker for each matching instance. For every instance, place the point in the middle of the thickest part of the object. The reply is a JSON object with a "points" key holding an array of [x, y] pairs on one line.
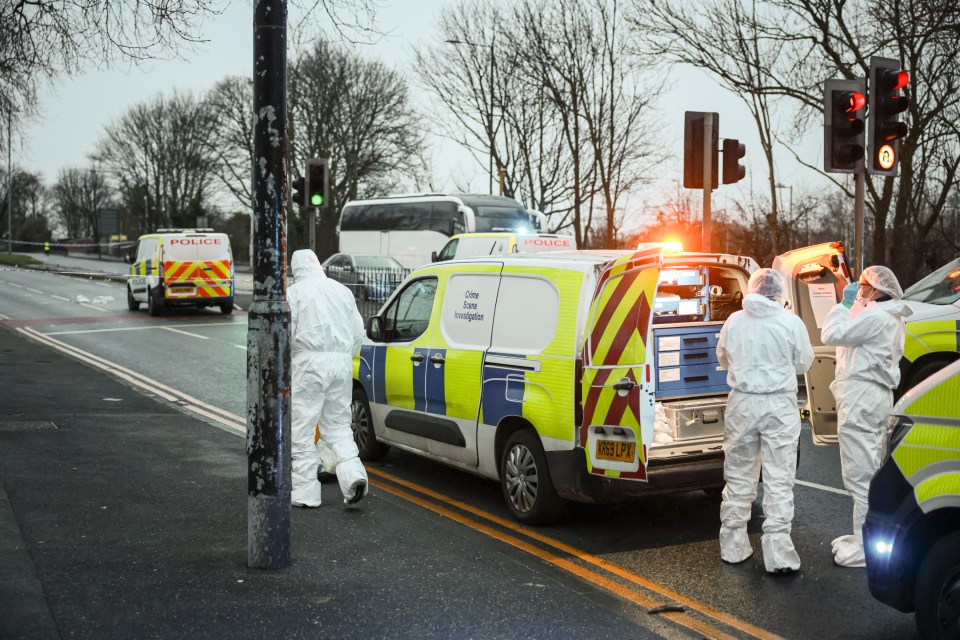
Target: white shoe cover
{"points": [[351, 475], [849, 553], [734, 545], [779, 554], [327, 458], [842, 539]]}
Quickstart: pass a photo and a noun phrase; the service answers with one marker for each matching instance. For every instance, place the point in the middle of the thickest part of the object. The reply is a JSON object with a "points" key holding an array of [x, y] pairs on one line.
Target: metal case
{"points": [[701, 418]]}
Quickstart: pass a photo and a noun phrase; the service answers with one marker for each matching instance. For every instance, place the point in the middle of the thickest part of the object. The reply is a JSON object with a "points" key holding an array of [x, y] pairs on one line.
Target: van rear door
{"points": [[815, 279], [617, 387], [198, 265]]}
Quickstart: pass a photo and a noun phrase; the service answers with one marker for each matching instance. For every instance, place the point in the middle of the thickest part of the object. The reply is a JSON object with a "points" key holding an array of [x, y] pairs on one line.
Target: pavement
{"points": [[123, 517]]}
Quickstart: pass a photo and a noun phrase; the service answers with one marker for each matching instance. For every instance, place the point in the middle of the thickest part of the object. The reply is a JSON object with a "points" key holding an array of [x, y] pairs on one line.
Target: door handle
{"points": [[437, 358], [624, 384], [417, 357]]}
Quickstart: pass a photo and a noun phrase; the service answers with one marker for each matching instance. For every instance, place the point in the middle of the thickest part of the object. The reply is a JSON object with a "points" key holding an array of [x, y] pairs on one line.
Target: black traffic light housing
{"points": [[299, 193], [887, 81], [318, 182], [693, 150], [733, 171], [843, 126]]}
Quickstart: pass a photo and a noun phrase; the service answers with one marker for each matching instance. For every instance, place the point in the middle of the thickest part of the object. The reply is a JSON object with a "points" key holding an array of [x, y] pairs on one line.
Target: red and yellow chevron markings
{"points": [[211, 278]]}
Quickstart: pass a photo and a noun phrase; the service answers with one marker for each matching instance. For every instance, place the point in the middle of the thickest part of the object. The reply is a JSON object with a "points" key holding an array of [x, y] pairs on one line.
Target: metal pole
{"points": [[490, 118], [312, 221], [859, 181], [707, 178], [268, 328], [9, 180]]}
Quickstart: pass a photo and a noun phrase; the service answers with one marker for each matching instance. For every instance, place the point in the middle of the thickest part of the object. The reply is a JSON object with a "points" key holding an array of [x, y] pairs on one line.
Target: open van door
{"points": [[815, 278], [617, 386]]}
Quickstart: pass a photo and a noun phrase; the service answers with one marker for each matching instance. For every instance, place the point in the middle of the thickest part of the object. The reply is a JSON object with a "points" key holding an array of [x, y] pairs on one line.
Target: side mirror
{"points": [[433, 256], [128, 258], [375, 328]]}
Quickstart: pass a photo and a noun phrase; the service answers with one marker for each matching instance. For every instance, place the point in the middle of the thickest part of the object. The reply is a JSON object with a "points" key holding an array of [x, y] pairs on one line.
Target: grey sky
{"points": [[76, 110]]}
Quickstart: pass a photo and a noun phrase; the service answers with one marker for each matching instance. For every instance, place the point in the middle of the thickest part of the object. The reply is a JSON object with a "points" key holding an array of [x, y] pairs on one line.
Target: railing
{"points": [[370, 287]]}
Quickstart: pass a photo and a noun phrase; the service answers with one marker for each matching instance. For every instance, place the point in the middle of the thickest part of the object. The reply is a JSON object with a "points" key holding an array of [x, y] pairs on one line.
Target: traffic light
{"points": [[843, 129], [693, 150], [887, 81], [318, 182], [298, 192], [733, 171]]}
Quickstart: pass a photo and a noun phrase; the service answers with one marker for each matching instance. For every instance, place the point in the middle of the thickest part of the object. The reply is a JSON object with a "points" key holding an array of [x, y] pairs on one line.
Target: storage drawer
{"points": [[682, 358], [690, 378], [682, 278], [683, 338], [690, 419]]}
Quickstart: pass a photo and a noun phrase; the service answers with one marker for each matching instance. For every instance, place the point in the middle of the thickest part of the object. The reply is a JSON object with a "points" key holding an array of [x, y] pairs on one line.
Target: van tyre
{"points": [[132, 304], [226, 308], [153, 306], [361, 423], [923, 372], [526, 482], [937, 592]]}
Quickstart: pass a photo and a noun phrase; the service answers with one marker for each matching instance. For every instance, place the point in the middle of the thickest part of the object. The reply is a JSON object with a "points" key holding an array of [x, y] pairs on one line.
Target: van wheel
{"points": [[226, 309], [361, 423], [923, 372], [132, 304], [526, 482], [937, 593], [153, 305]]}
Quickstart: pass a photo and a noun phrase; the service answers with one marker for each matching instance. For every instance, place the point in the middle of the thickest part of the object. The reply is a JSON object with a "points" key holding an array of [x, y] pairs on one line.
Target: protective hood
{"points": [[761, 306], [896, 308], [305, 264]]}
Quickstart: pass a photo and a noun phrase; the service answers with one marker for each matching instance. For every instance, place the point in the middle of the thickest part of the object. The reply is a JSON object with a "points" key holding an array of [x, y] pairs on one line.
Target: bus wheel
{"points": [[526, 482]]}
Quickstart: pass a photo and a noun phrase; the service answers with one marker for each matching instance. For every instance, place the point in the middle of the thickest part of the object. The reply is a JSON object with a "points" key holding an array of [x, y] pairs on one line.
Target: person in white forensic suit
{"points": [[763, 347], [327, 331], [869, 339]]}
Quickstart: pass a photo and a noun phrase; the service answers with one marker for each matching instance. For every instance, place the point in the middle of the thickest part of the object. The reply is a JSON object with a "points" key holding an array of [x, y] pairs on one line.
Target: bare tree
{"points": [[78, 194], [357, 113], [231, 104], [160, 150]]}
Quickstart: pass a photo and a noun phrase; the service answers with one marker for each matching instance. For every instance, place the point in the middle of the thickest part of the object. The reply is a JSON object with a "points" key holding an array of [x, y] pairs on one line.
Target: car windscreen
{"points": [[377, 262], [940, 287]]}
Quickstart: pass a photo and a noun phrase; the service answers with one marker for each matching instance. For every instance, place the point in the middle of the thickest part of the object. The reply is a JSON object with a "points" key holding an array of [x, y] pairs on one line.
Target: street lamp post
{"points": [[490, 112]]}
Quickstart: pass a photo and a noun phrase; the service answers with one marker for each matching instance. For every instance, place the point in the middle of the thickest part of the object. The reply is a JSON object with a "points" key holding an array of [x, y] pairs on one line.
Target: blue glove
{"points": [[850, 294]]}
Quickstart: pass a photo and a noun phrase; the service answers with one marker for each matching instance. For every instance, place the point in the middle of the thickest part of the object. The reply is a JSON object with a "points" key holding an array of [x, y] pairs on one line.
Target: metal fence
{"points": [[370, 287]]}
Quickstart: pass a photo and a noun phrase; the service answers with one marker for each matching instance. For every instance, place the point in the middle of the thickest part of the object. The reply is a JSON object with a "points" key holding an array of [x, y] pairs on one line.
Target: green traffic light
{"points": [[316, 200]]}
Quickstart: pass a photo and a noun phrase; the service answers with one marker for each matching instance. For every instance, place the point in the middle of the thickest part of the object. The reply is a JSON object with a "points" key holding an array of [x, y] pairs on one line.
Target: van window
{"points": [[449, 250], [468, 305], [146, 249], [527, 314], [408, 315]]}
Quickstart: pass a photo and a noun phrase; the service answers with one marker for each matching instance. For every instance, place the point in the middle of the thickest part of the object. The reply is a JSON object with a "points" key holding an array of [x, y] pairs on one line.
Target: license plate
{"points": [[616, 450], [187, 290]]}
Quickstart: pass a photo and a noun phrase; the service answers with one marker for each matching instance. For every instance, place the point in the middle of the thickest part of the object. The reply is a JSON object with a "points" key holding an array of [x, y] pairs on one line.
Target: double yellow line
{"points": [[586, 569]]}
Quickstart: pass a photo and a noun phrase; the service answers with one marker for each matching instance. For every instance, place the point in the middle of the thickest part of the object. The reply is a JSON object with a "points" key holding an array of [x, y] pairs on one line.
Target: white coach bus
{"points": [[411, 227]]}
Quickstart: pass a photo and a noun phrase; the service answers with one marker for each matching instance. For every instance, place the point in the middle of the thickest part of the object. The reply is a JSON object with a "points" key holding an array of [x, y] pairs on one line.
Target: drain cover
{"points": [[26, 425]]}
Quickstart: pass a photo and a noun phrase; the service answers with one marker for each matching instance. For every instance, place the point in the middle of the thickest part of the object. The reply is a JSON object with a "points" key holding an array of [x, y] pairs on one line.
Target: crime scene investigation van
{"points": [[474, 245], [182, 268], [911, 536], [588, 376]]}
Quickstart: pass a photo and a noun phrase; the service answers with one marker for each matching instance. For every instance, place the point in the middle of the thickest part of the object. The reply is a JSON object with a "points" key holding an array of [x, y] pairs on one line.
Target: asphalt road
{"points": [[669, 541]]}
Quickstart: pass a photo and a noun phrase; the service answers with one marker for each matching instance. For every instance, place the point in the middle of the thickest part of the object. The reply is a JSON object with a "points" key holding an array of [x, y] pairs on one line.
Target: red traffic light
{"points": [[850, 101], [890, 80]]}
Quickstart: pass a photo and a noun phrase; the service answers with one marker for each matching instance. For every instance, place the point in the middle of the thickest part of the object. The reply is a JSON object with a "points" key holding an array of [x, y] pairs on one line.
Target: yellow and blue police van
{"points": [[182, 268], [474, 245], [911, 535], [585, 376], [933, 331]]}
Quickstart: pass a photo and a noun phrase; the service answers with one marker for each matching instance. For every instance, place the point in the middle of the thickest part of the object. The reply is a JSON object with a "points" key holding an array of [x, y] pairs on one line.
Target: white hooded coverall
{"points": [[763, 348], [327, 331], [869, 343]]}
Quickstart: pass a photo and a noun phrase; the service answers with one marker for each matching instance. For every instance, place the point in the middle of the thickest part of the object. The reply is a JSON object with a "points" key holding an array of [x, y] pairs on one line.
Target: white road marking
{"points": [[185, 401], [53, 295], [241, 346], [90, 306], [18, 286], [109, 285], [186, 333], [822, 487], [137, 328], [3, 317], [43, 293]]}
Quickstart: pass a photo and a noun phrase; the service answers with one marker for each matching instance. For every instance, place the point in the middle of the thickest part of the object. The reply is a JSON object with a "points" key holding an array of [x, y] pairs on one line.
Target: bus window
{"points": [[492, 218]]}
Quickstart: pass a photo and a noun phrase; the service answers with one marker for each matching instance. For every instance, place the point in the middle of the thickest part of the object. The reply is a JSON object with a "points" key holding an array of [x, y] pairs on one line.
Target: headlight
{"points": [[895, 430], [883, 547]]}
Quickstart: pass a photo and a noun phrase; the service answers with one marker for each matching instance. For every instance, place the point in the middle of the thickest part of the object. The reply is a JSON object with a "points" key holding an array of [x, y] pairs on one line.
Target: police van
{"points": [[911, 536], [588, 376], [473, 245], [933, 331], [182, 268]]}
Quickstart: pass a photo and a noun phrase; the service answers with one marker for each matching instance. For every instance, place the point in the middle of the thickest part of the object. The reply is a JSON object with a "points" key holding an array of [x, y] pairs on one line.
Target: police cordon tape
{"points": [[123, 244]]}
